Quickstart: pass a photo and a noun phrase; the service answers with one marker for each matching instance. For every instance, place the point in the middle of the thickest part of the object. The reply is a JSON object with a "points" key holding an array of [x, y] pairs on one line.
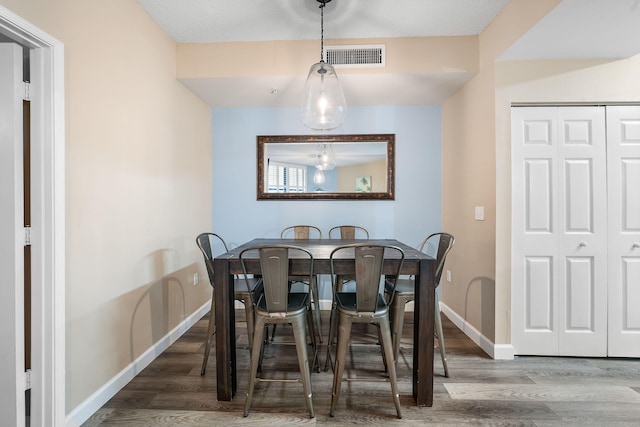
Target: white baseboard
{"points": [[87, 408], [495, 351], [504, 352]]}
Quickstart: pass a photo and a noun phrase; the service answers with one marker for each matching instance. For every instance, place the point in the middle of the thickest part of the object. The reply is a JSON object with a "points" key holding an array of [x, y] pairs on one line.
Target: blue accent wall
{"points": [[415, 212]]}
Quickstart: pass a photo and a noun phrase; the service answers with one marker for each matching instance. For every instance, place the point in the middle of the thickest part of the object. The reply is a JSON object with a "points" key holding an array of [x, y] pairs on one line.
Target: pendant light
{"points": [[323, 103]]}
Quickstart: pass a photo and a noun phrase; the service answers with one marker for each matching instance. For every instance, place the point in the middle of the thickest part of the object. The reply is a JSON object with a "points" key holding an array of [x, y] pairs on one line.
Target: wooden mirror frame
{"points": [[389, 194]]}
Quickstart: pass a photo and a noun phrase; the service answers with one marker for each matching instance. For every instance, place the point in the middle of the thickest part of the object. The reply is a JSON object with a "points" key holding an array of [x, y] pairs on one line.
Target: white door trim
{"points": [[12, 378], [48, 218]]}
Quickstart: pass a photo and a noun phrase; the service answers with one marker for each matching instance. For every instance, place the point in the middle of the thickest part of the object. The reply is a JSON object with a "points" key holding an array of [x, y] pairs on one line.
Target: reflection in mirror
{"points": [[326, 167]]}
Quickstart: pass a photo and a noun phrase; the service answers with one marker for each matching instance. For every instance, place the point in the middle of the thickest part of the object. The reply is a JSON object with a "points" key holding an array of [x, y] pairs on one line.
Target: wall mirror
{"points": [[302, 167]]}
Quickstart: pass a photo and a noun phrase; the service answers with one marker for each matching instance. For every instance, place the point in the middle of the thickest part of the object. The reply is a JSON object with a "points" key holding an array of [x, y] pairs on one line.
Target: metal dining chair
{"points": [[405, 292], [366, 305], [206, 242], [306, 232], [301, 232], [276, 305], [347, 232]]}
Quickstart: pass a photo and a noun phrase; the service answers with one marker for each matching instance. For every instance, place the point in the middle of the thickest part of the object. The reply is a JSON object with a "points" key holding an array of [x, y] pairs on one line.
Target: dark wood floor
{"points": [[528, 391]]}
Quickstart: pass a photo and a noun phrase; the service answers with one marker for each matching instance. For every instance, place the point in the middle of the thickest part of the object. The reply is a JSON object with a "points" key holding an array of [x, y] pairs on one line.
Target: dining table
{"points": [[416, 263]]}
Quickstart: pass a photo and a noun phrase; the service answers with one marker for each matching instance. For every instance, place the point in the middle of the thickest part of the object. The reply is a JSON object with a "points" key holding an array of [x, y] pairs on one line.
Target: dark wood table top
{"points": [[321, 250]]}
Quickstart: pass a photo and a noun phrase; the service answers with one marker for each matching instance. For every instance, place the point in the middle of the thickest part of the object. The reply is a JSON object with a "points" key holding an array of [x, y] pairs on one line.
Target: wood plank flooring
{"points": [[528, 391]]}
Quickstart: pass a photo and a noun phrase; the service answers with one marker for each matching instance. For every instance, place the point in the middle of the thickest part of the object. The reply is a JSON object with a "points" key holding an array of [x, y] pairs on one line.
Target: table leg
{"points": [[424, 318], [225, 331]]}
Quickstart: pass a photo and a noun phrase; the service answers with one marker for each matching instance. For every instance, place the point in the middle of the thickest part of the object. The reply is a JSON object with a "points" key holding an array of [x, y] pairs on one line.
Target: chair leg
{"points": [[397, 322], [384, 356], [316, 306], [250, 315], [387, 345], [300, 336], [344, 333], [211, 330], [331, 337], [265, 341], [312, 336], [256, 350], [440, 336]]}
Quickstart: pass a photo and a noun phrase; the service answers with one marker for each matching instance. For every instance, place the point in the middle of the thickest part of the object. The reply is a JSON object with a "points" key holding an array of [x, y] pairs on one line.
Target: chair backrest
{"points": [[207, 242], [348, 232], [301, 232], [445, 243], [274, 265], [369, 263]]}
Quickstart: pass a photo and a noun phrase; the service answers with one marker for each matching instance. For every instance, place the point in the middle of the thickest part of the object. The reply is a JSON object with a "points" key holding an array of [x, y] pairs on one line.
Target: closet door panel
{"points": [[582, 238], [623, 152], [534, 228]]}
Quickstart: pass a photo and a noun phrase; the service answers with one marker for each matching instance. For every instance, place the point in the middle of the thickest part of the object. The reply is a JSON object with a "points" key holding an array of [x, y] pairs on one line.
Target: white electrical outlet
{"points": [[448, 276], [196, 279]]}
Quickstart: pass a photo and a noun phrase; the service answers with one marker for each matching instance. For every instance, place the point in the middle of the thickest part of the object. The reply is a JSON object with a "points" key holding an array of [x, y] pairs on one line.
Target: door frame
{"points": [[48, 218]]}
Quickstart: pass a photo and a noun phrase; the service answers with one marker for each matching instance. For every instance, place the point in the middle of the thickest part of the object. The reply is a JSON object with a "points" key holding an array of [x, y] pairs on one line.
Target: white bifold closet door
{"points": [[623, 154], [559, 231], [576, 231]]}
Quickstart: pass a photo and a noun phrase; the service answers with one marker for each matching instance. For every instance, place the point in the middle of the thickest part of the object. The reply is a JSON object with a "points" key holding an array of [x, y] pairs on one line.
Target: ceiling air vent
{"points": [[356, 56]]}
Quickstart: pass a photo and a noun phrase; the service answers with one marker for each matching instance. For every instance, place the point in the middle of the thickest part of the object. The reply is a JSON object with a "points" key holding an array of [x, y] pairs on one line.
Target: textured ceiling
{"points": [[255, 20], [582, 29], [575, 29]]}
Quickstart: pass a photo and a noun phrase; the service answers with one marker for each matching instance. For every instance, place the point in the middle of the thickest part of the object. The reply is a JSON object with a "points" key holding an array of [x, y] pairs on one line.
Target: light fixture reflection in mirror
{"points": [[318, 180], [290, 167], [318, 176], [325, 158]]}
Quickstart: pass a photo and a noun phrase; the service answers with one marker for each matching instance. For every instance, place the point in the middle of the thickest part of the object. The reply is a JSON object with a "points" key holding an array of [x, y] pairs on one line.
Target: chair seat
{"points": [[346, 302], [404, 287], [297, 304]]}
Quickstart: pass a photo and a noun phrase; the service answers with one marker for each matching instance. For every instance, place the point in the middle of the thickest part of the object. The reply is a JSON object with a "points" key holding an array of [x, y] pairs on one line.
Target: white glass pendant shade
{"points": [[325, 158], [323, 103]]}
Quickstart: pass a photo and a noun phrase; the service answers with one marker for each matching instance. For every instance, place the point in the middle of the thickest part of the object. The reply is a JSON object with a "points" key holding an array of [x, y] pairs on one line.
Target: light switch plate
{"points": [[479, 213]]}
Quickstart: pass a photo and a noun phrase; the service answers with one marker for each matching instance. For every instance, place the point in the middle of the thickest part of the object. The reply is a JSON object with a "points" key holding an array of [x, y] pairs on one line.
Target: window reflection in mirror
{"points": [[326, 166]]}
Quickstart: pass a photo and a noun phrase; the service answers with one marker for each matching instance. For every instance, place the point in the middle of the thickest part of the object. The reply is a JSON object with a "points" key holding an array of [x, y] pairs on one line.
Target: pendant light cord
{"points": [[322, 5]]}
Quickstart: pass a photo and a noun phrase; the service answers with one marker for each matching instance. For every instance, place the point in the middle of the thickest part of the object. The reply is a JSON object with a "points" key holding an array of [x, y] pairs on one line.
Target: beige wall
{"points": [[469, 180], [238, 59], [138, 185], [347, 176]]}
